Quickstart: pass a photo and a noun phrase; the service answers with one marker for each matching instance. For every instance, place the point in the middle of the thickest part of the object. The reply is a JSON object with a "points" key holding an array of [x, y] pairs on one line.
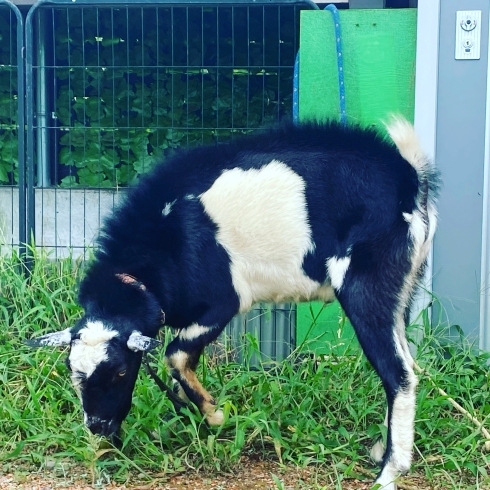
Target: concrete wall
{"points": [[66, 219], [9, 218]]}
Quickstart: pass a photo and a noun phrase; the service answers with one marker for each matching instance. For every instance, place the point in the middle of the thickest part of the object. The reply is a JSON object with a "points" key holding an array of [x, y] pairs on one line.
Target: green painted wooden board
{"points": [[379, 70], [379, 64]]}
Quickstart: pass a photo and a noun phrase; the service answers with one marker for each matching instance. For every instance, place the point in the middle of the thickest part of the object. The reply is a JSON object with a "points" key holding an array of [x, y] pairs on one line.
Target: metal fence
{"points": [[12, 155], [112, 88]]}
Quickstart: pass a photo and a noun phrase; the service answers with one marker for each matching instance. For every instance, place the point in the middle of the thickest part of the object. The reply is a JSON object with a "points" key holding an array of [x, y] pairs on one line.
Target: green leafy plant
{"points": [[127, 96]]}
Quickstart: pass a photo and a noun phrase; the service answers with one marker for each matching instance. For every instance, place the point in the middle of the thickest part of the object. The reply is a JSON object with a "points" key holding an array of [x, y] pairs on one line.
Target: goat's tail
{"points": [[406, 140]]}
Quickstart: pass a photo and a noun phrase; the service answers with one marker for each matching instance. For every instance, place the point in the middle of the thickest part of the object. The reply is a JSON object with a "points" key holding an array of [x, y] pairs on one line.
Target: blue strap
{"points": [[340, 69], [296, 90], [340, 61]]}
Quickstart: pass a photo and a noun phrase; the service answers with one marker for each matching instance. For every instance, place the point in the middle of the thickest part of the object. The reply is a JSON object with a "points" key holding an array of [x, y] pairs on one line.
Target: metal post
{"points": [[20, 123], [42, 137]]}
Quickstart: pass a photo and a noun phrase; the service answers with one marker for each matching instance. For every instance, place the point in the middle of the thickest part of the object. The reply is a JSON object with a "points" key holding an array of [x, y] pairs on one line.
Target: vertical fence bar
{"points": [[20, 126], [42, 110], [30, 84]]}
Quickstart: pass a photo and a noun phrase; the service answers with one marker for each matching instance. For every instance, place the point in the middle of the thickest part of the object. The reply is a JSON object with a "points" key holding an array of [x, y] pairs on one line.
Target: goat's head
{"points": [[104, 360], [106, 346]]}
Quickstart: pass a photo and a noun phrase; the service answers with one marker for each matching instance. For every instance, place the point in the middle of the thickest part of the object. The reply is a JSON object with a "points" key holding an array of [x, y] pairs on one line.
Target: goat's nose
{"points": [[98, 426]]}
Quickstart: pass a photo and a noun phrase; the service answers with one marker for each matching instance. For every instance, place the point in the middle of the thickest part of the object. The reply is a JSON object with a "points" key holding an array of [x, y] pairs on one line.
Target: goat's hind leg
{"points": [[379, 325]]}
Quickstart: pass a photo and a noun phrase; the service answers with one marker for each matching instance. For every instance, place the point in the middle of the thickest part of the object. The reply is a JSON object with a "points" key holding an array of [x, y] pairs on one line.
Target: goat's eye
{"points": [[121, 373]]}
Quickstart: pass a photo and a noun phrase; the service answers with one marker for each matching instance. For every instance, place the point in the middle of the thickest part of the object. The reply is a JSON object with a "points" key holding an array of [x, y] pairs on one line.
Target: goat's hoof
{"points": [[215, 418], [377, 452]]}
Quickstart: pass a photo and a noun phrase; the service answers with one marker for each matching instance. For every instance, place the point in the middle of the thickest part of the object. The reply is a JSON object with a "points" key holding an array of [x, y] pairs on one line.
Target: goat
{"points": [[316, 211]]}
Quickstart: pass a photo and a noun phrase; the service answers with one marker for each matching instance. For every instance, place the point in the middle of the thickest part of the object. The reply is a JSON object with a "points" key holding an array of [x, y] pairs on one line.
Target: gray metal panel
{"points": [[274, 326], [460, 138]]}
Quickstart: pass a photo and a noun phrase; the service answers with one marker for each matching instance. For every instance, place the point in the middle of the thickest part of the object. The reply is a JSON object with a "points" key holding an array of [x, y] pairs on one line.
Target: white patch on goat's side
{"points": [[189, 197], [262, 220], [167, 209], [90, 349], [193, 332], [337, 269]]}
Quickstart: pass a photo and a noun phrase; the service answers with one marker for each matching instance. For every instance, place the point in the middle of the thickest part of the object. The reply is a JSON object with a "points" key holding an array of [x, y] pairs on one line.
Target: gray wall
{"points": [[460, 154]]}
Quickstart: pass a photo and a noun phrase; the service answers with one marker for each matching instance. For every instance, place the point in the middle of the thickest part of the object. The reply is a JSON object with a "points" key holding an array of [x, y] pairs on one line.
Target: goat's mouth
{"points": [[106, 428]]}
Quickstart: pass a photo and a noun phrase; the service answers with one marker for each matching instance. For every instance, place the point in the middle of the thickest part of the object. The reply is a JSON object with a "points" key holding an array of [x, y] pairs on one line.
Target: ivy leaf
{"points": [[69, 181], [4, 177], [89, 178]]}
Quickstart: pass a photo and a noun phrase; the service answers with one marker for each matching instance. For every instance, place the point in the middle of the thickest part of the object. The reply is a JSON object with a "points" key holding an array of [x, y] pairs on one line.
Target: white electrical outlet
{"points": [[468, 34]]}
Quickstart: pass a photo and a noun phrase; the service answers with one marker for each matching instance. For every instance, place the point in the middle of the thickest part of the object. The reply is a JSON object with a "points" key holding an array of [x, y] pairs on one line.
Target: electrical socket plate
{"points": [[468, 34]]}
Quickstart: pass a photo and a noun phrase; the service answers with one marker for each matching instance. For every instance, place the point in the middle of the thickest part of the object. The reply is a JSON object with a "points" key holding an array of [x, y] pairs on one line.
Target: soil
{"points": [[251, 475]]}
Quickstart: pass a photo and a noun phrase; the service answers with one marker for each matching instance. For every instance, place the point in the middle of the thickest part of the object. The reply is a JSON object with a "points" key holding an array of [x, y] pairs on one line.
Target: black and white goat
{"points": [[298, 213]]}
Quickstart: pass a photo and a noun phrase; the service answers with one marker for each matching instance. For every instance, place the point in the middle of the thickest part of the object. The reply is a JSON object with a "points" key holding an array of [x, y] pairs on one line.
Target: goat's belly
{"points": [[255, 282]]}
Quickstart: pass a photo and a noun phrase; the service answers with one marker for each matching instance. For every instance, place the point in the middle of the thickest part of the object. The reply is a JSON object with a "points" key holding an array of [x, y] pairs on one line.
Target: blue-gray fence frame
{"points": [[21, 186]]}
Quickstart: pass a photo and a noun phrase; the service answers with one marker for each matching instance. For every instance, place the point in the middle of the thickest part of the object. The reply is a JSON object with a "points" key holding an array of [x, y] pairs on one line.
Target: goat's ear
{"points": [[53, 339], [138, 342]]}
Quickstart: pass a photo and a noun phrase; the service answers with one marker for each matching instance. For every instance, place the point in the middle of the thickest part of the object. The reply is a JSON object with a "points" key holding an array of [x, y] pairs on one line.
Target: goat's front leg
{"points": [[182, 357]]}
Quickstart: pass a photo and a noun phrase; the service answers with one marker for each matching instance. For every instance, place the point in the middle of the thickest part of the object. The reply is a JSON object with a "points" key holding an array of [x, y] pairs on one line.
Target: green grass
{"points": [[325, 412]]}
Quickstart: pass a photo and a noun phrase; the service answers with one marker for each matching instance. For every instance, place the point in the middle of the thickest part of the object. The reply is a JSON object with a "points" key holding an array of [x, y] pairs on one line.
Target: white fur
{"points": [[91, 349], [95, 333], [262, 221], [93, 420], [407, 217], [387, 478], [377, 452], [178, 360], [406, 140], [167, 209], [336, 270], [418, 231], [403, 412], [77, 382], [216, 418], [193, 332]]}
